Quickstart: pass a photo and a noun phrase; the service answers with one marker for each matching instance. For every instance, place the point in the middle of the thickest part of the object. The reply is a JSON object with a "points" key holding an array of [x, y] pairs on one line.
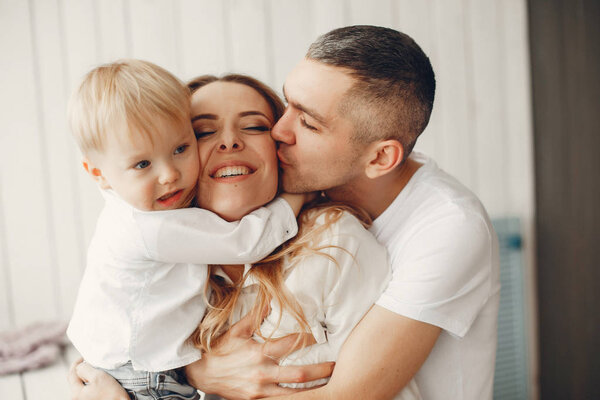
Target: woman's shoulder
{"points": [[336, 224]]}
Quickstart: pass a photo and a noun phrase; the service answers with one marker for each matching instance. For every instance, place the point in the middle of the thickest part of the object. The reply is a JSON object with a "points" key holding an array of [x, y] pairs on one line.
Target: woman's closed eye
{"points": [[256, 129], [200, 134]]}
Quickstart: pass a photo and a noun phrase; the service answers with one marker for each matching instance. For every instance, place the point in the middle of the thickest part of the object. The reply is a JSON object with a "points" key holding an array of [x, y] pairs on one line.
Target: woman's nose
{"points": [[231, 141]]}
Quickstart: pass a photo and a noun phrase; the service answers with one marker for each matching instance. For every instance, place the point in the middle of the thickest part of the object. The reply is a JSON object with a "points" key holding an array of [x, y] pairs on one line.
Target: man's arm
{"points": [[379, 358], [241, 368]]}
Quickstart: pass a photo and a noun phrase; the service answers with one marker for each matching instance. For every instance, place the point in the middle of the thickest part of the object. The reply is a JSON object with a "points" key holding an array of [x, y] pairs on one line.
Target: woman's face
{"points": [[238, 159]]}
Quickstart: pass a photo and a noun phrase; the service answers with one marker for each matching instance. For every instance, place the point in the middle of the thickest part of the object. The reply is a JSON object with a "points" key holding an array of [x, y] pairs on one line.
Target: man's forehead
{"points": [[316, 82]]}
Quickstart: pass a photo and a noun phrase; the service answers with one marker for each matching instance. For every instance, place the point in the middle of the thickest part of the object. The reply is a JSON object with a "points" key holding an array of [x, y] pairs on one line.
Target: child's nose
{"points": [[169, 174]]}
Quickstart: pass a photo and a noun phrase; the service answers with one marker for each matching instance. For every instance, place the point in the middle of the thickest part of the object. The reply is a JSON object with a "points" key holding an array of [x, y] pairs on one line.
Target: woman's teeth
{"points": [[231, 171]]}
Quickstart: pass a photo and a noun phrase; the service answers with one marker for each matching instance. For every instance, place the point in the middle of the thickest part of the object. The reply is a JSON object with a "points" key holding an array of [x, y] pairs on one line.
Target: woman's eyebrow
{"points": [[204, 116], [247, 113]]}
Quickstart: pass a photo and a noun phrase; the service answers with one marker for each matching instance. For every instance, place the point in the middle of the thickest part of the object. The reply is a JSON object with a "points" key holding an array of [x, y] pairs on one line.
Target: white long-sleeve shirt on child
{"points": [[141, 295]]}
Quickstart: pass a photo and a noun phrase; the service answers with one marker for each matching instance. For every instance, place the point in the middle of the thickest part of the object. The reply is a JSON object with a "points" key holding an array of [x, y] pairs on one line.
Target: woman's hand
{"points": [[89, 383], [240, 368]]}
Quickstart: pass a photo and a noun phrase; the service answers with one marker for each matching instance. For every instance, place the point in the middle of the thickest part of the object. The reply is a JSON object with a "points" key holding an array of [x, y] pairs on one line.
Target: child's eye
{"points": [[142, 164], [258, 129], [181, 149], [306, 125]]}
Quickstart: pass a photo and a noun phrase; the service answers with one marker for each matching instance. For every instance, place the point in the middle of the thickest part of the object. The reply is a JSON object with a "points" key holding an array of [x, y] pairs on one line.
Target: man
{"points": [[356, 106]]}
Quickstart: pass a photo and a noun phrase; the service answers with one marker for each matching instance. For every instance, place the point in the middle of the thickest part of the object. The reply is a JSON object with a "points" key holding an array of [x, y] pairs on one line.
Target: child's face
{"points": [[151, 175]]}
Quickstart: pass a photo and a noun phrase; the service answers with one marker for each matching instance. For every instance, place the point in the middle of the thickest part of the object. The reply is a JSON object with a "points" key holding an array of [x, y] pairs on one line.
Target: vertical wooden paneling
{"points": [[489, 99], [155, 32], [374, 12], [415, 19], [293, 19], [65, 235], [204, 38], [22, 171], [113, 30], [327, 15], [251, 51], [81, 55], [453, 131], [6, 309]]}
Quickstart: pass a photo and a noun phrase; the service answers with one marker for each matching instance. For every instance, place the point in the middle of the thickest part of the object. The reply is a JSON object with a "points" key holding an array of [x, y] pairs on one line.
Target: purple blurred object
{"points": [[34, 346]]}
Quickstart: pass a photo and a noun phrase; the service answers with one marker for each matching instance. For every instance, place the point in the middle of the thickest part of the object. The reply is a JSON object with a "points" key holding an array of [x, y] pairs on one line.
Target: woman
{"points": [[321, 282]]}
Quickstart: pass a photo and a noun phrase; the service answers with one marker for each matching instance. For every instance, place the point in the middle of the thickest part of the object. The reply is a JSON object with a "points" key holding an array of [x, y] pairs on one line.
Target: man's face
{"points": [[314, 140]]}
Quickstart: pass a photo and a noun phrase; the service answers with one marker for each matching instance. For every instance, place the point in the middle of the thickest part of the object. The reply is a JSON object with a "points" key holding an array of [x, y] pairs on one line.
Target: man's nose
{"points": [[283, 130]]}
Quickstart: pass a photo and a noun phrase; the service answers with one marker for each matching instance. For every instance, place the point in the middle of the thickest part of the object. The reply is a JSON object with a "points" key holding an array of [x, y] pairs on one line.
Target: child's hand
{"points": [[297, 200]]}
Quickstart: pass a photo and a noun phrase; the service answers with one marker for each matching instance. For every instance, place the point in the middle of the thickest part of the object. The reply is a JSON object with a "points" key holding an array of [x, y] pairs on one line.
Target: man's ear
{"points": [[385, 156], [95, 173]]}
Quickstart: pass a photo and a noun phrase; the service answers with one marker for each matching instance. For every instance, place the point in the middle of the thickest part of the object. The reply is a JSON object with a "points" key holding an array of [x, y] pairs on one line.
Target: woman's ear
{"points": [[385, 155], [95, 173]]}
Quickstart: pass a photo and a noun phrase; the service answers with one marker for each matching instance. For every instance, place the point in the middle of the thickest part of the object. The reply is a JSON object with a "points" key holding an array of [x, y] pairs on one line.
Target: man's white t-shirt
{"points": [[445, 272]]}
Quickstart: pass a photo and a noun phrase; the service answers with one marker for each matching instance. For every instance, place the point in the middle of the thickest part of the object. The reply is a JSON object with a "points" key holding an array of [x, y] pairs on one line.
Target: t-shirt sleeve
{"points": [[198, 236], [442, 274]]}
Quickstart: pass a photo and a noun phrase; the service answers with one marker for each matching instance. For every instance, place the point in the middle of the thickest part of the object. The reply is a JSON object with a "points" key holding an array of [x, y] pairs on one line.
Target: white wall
{"points": [[480, 129]]}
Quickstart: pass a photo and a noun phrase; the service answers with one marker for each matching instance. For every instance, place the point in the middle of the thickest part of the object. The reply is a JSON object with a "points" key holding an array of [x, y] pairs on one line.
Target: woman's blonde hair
{"points": [[269, 273], [131, 95]]}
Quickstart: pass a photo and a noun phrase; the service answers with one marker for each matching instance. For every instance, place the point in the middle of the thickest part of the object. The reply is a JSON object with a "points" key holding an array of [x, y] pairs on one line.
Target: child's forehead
{"points": [[129, 136]]}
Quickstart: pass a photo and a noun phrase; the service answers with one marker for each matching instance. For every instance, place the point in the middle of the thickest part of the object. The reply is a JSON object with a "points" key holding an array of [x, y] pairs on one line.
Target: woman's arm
{"points": [[89, 383]]}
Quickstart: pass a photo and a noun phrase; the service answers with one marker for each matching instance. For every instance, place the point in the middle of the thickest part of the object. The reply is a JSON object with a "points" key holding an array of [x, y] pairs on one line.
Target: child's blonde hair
{"points": [[130, 95]]}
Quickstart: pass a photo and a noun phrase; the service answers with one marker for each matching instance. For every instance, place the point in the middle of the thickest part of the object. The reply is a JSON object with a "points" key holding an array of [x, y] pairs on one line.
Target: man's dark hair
{"points": [[395, 84]]}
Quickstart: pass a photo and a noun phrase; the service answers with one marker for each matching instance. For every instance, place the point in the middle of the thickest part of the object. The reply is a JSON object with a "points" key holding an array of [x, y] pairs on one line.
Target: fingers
{"points": [[277, 348], [75, 383], [304, 373], [86, 372], [243, 328]]}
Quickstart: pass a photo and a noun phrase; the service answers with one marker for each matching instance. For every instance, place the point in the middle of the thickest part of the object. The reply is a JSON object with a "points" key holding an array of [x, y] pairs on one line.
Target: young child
{"points": [[141, 295]]}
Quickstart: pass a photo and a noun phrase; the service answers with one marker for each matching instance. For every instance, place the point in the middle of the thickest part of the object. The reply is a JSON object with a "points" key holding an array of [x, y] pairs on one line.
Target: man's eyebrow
{"points": [[204, 116], [305, 110]]}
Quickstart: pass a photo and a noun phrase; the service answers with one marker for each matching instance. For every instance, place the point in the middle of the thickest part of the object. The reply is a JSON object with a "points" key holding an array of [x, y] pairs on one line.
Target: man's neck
{"points": [[375, 195]]}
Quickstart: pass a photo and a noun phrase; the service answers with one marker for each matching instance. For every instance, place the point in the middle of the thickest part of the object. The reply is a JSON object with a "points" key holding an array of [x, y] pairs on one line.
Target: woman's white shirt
{"points": [[334, 296]]}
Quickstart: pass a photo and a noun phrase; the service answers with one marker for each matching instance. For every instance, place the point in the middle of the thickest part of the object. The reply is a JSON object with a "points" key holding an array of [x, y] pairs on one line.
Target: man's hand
{"points": [[241, 368], [89, 383]]}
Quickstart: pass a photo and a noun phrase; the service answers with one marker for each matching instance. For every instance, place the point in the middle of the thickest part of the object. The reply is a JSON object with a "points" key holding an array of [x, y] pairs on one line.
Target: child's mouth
{"points": [[170, 198]]}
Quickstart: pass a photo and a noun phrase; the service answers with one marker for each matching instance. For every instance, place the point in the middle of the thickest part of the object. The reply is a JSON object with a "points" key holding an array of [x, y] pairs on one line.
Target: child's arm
{"points": [[198, 236], [297, 200]]}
